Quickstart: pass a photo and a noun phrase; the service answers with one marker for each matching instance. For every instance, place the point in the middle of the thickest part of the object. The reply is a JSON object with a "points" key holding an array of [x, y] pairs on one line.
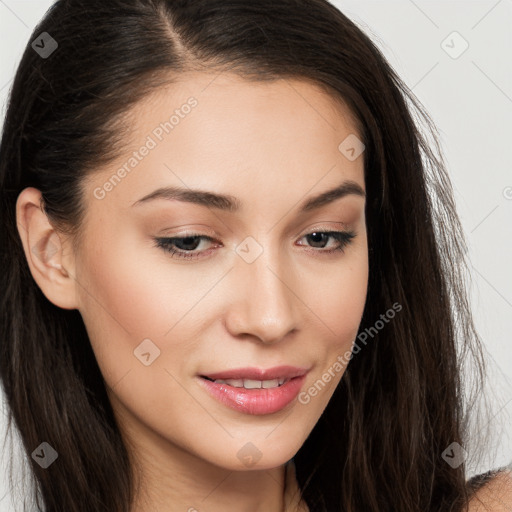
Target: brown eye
{"points": [[182, 246], [343, 239]]}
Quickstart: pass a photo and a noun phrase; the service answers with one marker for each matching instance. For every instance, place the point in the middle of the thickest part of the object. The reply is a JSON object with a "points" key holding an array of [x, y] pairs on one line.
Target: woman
{"points": [[232, 266]]}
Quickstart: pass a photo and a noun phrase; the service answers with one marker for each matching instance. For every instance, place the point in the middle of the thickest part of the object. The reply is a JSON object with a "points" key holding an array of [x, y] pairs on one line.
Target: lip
{"points": [[254, 401], [277, 372]]}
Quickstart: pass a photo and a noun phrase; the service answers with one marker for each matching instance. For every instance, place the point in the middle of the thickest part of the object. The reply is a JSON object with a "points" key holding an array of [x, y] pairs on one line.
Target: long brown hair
{"points": [[378, 445]]}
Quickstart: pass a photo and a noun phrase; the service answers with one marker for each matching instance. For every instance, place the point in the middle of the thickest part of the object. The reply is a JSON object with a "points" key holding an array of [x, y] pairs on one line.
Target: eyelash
{"points": [[166, 244]]}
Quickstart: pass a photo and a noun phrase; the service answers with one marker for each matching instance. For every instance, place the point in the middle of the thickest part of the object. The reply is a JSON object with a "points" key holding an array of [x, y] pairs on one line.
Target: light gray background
{"points": [[469, 99]]}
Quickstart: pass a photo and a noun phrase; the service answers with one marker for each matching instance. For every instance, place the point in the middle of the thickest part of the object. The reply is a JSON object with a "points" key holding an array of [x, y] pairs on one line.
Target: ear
{"points": [[51, 266]]}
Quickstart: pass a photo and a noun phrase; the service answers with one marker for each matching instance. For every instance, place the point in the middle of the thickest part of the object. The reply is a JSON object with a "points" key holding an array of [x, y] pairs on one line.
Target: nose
{"points": [[264, 304]]}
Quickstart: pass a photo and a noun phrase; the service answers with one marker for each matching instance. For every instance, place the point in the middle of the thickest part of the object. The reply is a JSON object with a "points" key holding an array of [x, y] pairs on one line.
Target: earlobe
{"points": [[49, 264]]}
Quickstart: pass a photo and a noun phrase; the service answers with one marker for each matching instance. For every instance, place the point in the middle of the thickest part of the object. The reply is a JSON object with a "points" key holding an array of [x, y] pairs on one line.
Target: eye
{"points": [[342, 239], [184, 247]]}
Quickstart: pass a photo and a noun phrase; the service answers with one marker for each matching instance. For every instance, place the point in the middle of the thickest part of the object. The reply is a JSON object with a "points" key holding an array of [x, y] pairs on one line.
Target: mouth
{"points": [[258, 374], [251, 383], [253, 390]]}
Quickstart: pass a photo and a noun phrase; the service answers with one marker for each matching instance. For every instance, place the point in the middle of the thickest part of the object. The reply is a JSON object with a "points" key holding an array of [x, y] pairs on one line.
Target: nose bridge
{"points": [[265, 305]]}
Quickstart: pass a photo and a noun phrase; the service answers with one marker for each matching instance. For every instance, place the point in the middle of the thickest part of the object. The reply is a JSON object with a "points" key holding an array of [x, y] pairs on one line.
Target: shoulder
{"points": [[494, 494]]}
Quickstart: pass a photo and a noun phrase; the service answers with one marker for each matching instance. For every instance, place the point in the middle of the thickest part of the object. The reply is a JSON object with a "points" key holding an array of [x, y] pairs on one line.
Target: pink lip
{"points": [[277, 372], [257, 401]]}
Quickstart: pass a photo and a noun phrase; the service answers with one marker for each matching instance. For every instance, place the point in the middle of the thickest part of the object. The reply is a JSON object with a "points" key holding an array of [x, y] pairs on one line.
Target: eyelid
{"points": [[323, 227], [211, 235], [344, 238], [194, 230]]}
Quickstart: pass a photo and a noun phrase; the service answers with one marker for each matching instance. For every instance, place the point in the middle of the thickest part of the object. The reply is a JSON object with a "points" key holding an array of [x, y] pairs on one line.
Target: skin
{"points": [[271, 145], [494, 496]]}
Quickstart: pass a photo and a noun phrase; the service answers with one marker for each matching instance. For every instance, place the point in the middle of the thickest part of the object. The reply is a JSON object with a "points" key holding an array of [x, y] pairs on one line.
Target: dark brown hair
{"points": [[378, 445]]}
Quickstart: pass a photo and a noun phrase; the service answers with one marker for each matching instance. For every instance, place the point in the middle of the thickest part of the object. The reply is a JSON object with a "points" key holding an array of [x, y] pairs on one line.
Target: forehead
{"points": [[221, 131]]}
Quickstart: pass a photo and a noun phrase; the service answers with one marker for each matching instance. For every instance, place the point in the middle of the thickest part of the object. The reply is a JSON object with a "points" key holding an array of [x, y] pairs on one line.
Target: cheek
{"points": [[129, 282], [347, 302], [341, 302], [339, 296], [123, 302]]}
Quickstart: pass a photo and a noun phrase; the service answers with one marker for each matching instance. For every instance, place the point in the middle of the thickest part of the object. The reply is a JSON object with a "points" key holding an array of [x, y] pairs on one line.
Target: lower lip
{"points": [[255, 401]]}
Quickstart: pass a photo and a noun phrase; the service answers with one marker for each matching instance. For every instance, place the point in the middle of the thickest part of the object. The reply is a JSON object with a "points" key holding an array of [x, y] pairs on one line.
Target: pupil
{"points": [[189, 240], [313, 235]]}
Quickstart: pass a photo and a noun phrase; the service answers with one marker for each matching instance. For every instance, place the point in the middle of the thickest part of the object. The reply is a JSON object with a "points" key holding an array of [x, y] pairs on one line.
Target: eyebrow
{"points": [[232, 204]]}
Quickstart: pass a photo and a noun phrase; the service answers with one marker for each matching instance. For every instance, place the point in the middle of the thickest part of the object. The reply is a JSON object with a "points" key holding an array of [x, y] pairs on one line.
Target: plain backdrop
{"points": [[456, 56]]}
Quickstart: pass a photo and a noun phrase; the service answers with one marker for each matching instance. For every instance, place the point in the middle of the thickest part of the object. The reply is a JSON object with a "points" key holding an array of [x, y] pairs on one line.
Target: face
{"points": [[176, 287]]}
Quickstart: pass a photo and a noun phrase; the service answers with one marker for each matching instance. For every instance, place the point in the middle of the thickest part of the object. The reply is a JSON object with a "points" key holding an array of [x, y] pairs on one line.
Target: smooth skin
{"points": [[272, 146]]}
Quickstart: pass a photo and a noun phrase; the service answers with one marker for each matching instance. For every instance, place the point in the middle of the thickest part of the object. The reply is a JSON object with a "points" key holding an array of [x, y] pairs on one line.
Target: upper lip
{"points": [[277, 372]]}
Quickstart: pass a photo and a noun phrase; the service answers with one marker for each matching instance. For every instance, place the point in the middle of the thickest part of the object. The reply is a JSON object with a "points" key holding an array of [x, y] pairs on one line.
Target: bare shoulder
{"points": [[495, 495]]}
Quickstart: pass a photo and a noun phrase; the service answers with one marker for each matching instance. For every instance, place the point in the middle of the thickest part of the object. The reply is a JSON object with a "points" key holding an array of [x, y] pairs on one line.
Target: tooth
{"points": [[236, 383], [270, 383], [252, 384]]}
